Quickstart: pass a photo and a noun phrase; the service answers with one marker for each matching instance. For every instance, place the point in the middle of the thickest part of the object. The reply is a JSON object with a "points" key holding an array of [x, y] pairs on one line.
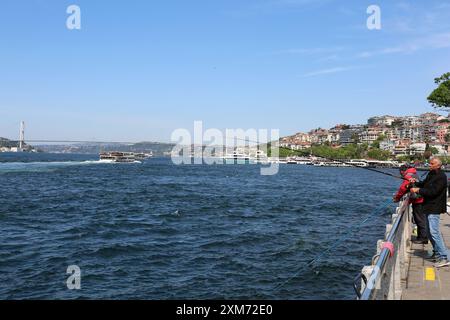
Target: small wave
{"points": [[6, 167], [118, 250]]}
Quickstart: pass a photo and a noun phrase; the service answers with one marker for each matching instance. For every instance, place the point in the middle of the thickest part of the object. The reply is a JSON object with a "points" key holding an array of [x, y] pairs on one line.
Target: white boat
{"points": [[236, 158], [260, 157], [118, 157], [358, 163], [143, 156], [303, 161]]}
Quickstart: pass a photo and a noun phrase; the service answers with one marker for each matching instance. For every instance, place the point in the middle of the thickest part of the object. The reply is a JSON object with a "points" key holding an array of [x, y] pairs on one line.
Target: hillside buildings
{"points": [[408, 135]]}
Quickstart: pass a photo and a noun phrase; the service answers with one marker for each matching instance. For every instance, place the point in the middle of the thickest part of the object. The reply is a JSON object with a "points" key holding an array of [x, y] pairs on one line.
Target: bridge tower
{"points": [[22, 135]]}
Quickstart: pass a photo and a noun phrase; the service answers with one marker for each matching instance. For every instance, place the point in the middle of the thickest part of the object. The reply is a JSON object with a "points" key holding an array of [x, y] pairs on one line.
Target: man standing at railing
{"points": [[409, 172], [434, 191]]}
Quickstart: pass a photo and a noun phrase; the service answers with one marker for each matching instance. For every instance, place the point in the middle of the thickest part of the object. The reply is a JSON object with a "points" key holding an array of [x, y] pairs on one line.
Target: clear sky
{"points": [[139, 69]]}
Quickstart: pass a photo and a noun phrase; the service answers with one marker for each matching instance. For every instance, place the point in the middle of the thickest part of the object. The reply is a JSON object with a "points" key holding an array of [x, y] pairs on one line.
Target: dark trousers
{"points": [[420, 220]]}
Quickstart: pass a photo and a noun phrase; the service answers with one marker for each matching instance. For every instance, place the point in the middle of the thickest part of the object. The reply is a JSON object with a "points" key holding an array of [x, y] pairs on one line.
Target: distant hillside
{"points": [[157, 148], [8, 143], [13, 143]]}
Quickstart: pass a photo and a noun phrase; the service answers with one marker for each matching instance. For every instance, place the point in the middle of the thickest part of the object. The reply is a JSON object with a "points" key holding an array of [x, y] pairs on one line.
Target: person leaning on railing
{"points": [[434, 191], [408, 172]]}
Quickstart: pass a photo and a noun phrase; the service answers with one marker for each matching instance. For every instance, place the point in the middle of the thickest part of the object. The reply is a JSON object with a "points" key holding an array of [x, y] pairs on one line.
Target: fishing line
{"points": [[380, 210]]}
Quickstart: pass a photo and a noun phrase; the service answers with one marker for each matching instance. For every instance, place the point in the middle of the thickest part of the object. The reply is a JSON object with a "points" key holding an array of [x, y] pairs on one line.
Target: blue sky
{"points": [[137, 70]]}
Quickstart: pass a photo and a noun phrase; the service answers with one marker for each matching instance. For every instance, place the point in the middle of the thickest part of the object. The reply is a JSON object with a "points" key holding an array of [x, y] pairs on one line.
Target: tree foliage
{"points": [[378, 154], [440, 97]]}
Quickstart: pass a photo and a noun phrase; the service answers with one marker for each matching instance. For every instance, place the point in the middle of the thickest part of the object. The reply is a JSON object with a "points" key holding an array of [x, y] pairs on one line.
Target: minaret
{"points": [[22, 135]]}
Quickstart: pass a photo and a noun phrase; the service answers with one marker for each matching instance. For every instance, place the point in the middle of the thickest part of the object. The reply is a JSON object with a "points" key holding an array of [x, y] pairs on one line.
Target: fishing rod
{"points": [[357, 166], [336, 160]]}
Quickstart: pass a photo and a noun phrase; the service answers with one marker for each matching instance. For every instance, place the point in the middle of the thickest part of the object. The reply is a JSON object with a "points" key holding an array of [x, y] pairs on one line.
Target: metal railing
{"points": [[383, 279]]}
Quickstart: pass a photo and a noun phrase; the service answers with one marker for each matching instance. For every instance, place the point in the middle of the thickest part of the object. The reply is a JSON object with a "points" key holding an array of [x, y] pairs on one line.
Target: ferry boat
{"points": [[303, 161], [119, 157], [143, 156], [261, 157], [236, 158], [358, 163]]}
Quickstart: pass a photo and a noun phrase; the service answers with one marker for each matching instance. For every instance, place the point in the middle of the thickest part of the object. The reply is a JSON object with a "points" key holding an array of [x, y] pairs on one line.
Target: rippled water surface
{"points": [[160, 231]]}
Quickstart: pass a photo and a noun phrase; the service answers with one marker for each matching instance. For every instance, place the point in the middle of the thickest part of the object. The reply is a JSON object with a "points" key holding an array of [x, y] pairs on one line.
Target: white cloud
{"points": [[434, 42], [309, 51], [327, 71]]}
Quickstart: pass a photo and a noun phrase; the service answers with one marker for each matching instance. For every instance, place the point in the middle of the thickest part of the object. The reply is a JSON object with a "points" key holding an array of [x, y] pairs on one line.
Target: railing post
{"points": [[389, 271], [366, 271]]}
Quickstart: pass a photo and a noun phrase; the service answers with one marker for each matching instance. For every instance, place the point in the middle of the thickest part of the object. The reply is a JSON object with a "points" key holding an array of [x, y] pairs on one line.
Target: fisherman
{"points": [[408, 172], [434, 191]]}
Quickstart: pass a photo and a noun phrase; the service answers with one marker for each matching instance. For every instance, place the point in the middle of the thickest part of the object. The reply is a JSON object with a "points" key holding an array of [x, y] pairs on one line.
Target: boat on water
{"points": [[303, 161], [119, 157], [236, 158], [260, 157], [358, 163], [143, 156]]}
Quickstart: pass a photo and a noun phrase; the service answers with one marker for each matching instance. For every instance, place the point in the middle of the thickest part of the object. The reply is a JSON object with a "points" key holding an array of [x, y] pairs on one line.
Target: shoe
{"points": [[442, 263], [433, 258]]}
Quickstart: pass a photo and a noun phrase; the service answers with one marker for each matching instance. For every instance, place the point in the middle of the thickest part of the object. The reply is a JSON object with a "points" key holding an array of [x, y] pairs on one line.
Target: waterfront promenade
{"points": [[424, 282], [399, 269]]}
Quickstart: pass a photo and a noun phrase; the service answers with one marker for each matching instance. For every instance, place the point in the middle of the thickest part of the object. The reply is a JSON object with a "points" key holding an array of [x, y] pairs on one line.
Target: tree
{"points": [[434, 150], [404, 158], [397, 124], [364, 147], [440, 97], [378, 154], [376, 144]]}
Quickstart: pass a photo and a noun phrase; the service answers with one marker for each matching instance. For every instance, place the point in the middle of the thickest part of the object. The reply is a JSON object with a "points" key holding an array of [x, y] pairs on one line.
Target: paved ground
{"points": [[424, 281]]}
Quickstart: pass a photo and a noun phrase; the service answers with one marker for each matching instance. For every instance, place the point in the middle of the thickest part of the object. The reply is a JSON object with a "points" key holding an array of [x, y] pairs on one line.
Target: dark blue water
{"points": [[160, 231]]}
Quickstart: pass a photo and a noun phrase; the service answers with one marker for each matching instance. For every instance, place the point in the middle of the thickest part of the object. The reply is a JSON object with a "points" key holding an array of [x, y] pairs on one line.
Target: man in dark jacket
{"points": [[434, 191], [415, 200]]}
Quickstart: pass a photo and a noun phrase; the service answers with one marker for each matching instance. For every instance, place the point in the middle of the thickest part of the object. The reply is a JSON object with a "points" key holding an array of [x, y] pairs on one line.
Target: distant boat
{"points": [[358, 163], [260, 157], [236, 158], [118, 157], [303, 161], [143, 156]]}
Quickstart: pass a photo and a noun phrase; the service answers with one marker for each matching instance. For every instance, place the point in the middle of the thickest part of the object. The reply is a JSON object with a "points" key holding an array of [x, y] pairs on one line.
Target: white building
{"points": [[382, 121], [417, 148], [410, 121], [387, 145]]}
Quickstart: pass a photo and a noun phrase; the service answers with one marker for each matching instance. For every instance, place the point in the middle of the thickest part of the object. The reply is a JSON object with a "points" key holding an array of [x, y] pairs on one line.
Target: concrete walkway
{"points": [[424, 281]]}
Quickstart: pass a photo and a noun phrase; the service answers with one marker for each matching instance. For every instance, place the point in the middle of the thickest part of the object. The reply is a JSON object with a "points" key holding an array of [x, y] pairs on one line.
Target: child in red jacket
{"points": [[407, 173]]}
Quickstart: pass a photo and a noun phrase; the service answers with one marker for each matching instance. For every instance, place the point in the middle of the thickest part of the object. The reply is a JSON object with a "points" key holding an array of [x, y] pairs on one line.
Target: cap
{"points": [[405, 167]]}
